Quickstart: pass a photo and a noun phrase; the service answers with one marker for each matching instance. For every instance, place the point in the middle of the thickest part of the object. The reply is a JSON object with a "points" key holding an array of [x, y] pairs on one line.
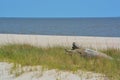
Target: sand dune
{"points": [[46, 41], [41, 74], [50, 40]]}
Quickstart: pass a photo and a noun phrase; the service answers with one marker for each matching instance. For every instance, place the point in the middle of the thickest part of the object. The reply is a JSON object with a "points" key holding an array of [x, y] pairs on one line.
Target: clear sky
{"points": [[59, 8]]}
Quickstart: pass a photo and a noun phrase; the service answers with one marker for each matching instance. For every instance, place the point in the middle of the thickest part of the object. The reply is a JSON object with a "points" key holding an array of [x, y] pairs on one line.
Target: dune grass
{"points": [[55, 58]]}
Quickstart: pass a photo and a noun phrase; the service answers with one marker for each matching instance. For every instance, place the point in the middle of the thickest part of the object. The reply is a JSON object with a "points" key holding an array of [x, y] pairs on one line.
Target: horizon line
{"points": [[61, 17]]}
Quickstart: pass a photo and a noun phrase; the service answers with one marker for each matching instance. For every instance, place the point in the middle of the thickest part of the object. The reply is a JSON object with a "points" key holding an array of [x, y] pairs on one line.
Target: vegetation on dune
{"points": [[55, 58]]}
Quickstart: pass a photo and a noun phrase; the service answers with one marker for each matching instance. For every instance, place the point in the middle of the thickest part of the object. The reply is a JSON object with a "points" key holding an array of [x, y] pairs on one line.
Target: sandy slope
{"points": [[40, 74], [45, 40]]}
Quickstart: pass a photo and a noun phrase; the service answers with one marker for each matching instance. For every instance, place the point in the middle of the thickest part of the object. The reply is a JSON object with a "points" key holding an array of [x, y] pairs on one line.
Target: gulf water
{"points": [[101, 27]]}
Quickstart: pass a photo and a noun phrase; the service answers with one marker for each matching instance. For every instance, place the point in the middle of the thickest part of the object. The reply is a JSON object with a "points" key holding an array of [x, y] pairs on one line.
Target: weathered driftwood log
{"points": [[76, 49]]}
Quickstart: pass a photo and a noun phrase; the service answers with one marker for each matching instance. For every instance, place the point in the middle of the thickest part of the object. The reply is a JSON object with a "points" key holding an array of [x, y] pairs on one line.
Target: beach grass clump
{"points": [[55, 58]]}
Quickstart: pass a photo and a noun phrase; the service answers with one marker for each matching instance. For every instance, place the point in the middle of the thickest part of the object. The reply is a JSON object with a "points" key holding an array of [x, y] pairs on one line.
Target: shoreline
{"points": [[56, 35], [66, 41]]}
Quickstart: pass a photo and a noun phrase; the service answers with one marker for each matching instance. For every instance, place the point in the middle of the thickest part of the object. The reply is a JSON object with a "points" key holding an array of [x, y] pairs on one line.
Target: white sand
{"points": [[46, 41], [41, 74]]}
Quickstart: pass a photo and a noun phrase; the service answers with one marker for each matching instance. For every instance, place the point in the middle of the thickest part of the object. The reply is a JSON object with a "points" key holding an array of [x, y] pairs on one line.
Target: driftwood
{"points": [[85, 52]]}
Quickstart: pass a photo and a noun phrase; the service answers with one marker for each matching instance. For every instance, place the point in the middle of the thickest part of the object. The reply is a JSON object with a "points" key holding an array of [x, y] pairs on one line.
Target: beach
{"points": [[66, 41], [52, 41]]}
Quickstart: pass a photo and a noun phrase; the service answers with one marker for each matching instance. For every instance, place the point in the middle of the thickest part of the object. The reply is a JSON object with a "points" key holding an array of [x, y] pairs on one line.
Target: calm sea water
{"points": [[105, 27]]}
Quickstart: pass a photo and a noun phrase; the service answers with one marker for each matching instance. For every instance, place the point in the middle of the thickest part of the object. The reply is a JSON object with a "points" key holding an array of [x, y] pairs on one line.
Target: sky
{"points": [[59, 8]]}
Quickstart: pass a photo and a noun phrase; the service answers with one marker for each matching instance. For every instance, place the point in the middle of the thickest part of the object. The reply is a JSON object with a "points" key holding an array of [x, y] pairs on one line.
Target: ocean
{"points": [[100, 27]]}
